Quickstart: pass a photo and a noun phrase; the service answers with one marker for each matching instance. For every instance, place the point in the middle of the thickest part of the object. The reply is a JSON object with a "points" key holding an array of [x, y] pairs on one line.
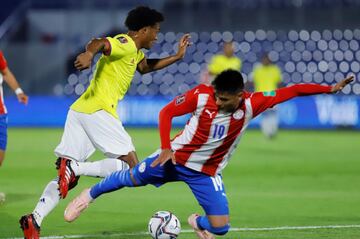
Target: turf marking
{"points": [[233, 229]]}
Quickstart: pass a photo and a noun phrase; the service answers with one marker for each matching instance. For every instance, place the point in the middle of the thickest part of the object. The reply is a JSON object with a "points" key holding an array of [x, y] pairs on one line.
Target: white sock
{"points": [[48, 201], [101, 168]]}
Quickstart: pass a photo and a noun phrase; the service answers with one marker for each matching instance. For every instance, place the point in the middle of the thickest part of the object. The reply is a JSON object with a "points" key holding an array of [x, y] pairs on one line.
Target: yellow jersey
{"points": [[266, 78], [112, 77], [219, 63]]}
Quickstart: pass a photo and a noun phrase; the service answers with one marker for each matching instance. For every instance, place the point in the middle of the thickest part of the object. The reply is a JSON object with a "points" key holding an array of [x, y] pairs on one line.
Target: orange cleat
{"points": [[76, 206], [66, 176], [30, 227]]}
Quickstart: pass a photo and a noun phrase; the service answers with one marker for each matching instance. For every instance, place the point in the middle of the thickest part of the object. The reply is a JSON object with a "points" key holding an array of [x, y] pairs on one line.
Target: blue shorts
{"points": [[3, 131], [209, 191]]}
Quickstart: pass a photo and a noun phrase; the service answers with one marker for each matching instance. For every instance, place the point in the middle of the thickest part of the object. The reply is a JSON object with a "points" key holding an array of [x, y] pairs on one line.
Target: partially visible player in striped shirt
{"points": [[199, 153], [7, 76]]}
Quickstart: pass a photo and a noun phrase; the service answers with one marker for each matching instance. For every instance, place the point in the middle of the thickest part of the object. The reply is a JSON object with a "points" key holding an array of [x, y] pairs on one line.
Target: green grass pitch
{"points": [[302, 178]]}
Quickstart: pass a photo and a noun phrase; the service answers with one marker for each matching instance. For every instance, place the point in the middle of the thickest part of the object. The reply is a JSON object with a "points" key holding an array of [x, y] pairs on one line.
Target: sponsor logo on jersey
{"points": [[123, 40], [209, 113], [180, 100], [142, 167], [238, 114]]}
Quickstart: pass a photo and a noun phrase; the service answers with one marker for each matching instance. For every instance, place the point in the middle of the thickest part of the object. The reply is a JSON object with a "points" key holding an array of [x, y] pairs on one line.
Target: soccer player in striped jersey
{"points": [[7, 76], [92, 121], [198, 154]]}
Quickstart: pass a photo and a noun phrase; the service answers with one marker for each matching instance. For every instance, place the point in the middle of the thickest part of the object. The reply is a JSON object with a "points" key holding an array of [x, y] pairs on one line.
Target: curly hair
{"points": [[142, 16]]}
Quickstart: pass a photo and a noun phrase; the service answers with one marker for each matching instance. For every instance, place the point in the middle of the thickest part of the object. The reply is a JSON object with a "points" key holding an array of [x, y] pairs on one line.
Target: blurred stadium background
{"points": [[310, 40], [308, 178]]}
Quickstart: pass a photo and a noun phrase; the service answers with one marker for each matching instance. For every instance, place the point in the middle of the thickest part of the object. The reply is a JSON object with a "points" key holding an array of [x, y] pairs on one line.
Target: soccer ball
{"points": [[164, 225]]}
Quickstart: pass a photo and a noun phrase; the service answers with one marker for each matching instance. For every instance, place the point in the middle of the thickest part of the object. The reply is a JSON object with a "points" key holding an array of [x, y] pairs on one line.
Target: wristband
{"points": [[19, 91]]}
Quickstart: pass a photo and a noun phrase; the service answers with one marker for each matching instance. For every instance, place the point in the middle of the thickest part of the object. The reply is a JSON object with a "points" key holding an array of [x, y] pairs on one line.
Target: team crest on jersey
{"points": [[142, 167], [180, 100], [238, 114], [123, 40]]}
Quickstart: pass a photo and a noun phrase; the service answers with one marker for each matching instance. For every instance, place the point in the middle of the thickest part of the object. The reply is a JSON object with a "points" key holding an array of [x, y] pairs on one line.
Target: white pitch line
{"points": [[233, 229]]}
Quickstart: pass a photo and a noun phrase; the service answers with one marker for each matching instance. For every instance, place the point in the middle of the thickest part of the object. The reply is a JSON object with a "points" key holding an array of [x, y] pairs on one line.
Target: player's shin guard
{"points": [[204, 224], [113, 182]]}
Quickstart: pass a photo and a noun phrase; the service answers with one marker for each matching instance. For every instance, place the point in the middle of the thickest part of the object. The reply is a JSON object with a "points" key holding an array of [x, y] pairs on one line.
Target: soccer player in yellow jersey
{"points": [[225, 61], [267, 77], [92, 121]]}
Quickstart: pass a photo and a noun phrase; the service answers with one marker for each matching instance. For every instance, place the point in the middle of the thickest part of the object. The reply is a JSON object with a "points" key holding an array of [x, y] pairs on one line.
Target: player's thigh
{"points": [[210, 193], [3, 132], [157, 176], [75, 143], [108, 134]]}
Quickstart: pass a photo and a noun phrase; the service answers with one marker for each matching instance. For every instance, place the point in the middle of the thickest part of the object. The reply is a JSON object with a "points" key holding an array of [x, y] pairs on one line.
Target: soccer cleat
{"points": [[202, 234], [66, 176], [76, 206], [30, 227]]}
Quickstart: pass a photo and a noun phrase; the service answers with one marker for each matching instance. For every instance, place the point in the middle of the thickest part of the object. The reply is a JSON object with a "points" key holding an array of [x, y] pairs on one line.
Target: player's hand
{"points": [[22, 98], [340, 85], [183, 44], [164, 156], [83, 61]]}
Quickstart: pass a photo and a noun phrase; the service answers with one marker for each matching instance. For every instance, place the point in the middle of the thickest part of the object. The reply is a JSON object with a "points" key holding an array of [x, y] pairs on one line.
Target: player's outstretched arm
{"points": [[83, 60], [261, 102], [148, 65], [340, 85], [14, 85]]}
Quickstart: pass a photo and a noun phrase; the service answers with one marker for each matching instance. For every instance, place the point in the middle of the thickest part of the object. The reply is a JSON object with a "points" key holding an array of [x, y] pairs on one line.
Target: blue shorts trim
{"points": [[3, 131], [209, 191]]}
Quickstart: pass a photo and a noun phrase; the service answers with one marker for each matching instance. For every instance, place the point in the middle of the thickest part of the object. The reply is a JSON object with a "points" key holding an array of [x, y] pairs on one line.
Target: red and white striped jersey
{"points": [[211, 136], [3, 65]]}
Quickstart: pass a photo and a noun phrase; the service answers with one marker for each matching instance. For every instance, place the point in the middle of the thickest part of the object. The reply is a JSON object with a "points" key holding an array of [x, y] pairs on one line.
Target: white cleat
{"points": [[77, 205], [202, 234]]}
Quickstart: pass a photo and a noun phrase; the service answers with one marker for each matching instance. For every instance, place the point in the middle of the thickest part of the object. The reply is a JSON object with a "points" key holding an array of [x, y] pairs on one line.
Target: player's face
{"points": [[228, 102], [151, 35]]}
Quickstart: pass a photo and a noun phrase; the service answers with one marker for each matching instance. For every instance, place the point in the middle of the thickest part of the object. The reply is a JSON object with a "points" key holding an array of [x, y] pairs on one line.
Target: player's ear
{"points": [[141, 31], [144, 30]]}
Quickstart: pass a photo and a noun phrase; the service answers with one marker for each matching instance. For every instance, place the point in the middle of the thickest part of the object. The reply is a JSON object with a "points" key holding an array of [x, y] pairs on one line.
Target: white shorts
{"points": [[85, 132]]}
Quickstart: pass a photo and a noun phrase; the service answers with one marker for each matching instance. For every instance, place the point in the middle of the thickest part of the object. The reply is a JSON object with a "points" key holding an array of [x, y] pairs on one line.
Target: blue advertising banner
{"points": [[315, 112]]}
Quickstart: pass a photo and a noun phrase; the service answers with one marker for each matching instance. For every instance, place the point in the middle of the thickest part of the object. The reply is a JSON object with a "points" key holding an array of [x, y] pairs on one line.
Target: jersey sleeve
{"points": [[120, 46], [181, 105], [140, 56], [239, 63], [3, 63], [260, 101], [278, 75]]}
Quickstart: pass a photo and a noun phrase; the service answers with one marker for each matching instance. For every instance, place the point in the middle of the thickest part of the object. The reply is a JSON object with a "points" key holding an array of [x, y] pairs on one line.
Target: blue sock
{"points": [[114, 181], [204, 224]]}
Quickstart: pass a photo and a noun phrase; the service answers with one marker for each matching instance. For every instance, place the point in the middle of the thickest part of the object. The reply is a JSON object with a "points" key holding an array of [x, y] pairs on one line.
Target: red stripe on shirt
{"points": [[212, 164], [200, 137], [3, 63]]}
